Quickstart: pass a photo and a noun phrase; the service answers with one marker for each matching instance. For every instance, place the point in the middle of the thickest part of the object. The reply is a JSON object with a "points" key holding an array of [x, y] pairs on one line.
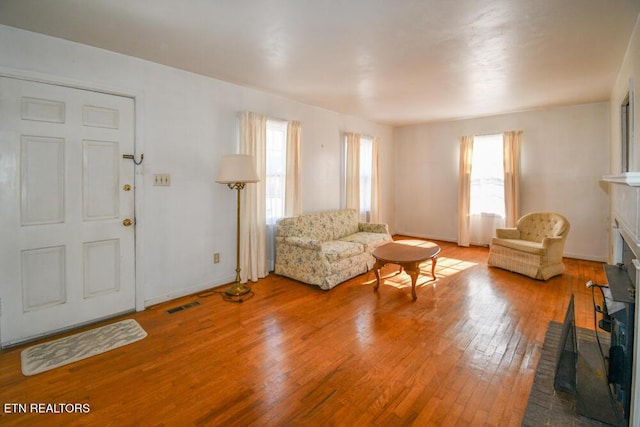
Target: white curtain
{"points": [[293, 189], [512, 176], [352, 183], [482, 227], [375, 182], [253, 257], [464, 189]]}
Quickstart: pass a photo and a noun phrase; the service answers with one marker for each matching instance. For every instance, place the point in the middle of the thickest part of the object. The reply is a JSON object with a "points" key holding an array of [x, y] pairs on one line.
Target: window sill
{"points": [[631, 179]]}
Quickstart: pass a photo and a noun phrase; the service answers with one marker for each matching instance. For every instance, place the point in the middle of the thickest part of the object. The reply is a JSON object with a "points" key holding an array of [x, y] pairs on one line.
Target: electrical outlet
{"points": [[216, 257], [162, 179]]}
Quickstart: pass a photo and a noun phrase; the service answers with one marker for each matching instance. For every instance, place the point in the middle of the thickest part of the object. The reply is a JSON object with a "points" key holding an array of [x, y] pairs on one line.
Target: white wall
{"points": [[186, 124], [564, 155]]}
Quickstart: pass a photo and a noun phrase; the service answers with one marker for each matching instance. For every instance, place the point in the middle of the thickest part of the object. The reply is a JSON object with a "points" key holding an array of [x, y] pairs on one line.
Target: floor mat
{"points": [[43, 357]]}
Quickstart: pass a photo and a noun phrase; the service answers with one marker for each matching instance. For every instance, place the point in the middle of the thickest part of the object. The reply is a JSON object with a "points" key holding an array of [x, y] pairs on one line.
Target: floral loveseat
{"points": [[327, 248]]}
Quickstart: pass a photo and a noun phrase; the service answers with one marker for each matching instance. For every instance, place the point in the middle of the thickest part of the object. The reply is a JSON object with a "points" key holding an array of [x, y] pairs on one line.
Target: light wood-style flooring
{"points": [[465, 353]]}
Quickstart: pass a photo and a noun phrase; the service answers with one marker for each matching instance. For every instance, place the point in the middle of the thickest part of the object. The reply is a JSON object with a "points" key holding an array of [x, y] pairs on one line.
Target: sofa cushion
{"points": [[527, 246], [330, 225], [343, 222], [370, 227], [369, 241], [335, 250], [311, 226], [301, 242]]}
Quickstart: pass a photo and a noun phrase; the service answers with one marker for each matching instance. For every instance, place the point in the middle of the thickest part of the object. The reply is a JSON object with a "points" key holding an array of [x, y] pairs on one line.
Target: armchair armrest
{"points": [[554, 247], [507, 233], [373, 228], [303, 242], [549, 241]]}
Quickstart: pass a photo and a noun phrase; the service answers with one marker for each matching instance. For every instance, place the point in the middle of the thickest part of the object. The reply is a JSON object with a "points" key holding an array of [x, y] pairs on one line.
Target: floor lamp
{"points": [[236, 170]]}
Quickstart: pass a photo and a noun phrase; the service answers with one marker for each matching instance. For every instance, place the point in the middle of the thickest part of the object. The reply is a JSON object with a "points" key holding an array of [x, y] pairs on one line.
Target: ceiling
{"points": [[390, 61]]}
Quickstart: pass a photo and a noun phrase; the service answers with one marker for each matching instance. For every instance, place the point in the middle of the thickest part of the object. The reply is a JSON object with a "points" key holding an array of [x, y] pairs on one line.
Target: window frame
{"points": [[275, 126], [489, 162]]}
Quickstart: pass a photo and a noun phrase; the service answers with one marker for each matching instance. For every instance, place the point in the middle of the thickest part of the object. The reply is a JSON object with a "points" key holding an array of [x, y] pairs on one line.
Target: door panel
{"points": [[100, 179], [41, 180], [43, 277], [65, 257], [101, 266]]}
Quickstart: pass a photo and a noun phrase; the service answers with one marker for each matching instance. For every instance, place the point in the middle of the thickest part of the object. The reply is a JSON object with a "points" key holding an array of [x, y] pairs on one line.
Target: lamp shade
{"points": [[237, 168]]}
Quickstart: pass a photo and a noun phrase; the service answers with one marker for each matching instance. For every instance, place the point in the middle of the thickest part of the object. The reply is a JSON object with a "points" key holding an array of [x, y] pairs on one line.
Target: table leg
{"points": [[376, 269], [434, 260], [413, 271]]}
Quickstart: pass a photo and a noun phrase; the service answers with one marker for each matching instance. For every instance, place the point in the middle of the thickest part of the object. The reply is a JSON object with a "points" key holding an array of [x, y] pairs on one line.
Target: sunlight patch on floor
{"points": [[445, 267]]}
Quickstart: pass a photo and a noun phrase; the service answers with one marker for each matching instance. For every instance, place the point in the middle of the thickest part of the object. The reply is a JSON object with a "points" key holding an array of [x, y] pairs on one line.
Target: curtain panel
{"points": [[512, 176], [253, 257], [352, 184], [293, 187], [375, 182], [464, 189]]}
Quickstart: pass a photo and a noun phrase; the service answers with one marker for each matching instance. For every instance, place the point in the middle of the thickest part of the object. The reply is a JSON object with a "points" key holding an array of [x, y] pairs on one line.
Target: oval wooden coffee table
{"points": [[408, 254]]}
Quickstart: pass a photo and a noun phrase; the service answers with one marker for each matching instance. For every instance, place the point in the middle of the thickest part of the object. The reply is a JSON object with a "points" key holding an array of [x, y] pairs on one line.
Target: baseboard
{"points": [[426, 237], [187, 291], [584, 257]]}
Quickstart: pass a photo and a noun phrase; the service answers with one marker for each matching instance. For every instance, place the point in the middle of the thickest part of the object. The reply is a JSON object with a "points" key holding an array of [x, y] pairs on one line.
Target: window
{"points": [[366, 163], [487, 176], [276, 167]]}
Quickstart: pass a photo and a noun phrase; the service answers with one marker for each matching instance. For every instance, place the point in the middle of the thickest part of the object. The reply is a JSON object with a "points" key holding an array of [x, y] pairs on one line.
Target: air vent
{"points": [[183, 307]]}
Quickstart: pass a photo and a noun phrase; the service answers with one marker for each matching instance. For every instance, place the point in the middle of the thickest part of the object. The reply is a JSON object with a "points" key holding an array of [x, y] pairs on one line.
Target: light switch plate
{"points": [[163, 179]]}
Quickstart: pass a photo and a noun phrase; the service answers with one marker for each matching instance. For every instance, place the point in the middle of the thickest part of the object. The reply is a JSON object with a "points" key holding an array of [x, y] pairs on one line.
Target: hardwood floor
{"points": [[464, 353]]}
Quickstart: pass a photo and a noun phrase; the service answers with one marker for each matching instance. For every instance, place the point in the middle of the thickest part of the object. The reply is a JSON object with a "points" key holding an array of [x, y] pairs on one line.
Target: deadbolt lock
{"points": [[127, 222], [126, 187]]}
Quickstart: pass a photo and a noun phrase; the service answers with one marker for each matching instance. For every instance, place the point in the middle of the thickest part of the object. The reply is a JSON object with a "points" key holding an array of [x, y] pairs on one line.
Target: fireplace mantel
{"points": [[631, 179]]}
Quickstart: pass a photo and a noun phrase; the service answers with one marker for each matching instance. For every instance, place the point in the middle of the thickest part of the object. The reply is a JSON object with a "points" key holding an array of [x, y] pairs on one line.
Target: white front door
{"points": [[66, 258]]}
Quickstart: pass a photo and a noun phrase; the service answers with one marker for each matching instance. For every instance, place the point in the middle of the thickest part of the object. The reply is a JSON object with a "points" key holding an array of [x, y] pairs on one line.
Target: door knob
{"points": [[127, 222]]}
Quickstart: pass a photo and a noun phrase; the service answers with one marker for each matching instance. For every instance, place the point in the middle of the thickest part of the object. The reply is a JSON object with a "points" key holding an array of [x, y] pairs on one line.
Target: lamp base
{"points": [[237, 289]]}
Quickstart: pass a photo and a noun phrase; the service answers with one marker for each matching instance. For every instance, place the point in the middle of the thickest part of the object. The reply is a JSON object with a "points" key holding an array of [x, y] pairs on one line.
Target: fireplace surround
{"points": [[624, 199], [618, 318]]}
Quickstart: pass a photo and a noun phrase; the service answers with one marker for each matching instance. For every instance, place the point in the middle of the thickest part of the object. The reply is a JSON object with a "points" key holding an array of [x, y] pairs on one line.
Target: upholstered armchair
{"points": [[533, 248]]}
